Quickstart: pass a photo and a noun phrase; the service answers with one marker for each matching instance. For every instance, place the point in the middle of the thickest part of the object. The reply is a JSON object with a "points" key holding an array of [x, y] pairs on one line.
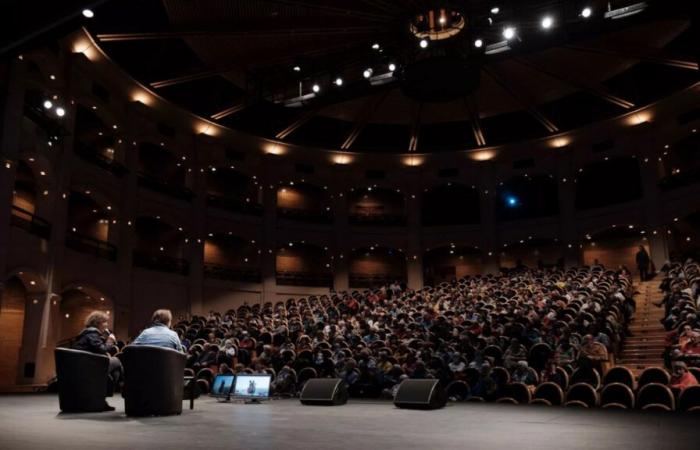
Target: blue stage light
{"points": [[512, 201]]}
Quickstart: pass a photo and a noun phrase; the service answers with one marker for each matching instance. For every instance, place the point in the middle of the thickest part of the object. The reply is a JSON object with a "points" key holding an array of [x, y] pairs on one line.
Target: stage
{"points": [[32, 421]]}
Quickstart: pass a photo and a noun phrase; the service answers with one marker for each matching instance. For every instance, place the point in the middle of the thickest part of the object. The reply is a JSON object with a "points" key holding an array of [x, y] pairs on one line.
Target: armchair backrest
{"points": [[82, 380]]}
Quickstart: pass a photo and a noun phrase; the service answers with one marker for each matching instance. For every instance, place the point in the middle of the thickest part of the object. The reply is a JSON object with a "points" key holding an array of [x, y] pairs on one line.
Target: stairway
{"points": [[646, 345]]}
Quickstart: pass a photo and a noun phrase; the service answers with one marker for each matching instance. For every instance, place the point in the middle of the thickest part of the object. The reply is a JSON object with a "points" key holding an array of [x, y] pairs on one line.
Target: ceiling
{"points": [[232, 62]]}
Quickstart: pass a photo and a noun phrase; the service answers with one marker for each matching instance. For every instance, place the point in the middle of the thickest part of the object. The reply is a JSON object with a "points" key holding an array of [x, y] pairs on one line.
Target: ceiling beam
{"points": [[415, 126], [298, 122], [527, 104], [472, 107], [592, 88], [239, 33], [229, 111], [363, 116], [646, 54]]}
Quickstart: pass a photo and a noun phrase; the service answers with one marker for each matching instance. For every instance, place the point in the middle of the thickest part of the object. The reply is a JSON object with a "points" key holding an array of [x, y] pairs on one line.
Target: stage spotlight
{"points": [[297, 69], [511, 201], [88, 13], [586, 12], [60, 112], [478, 43], [375, 46], [367, 73], [509, 33], [547, 22], [48, 104], [338, 81], [392, 67], [495, 10], [316, 88], [423, 43], [442, 20]]}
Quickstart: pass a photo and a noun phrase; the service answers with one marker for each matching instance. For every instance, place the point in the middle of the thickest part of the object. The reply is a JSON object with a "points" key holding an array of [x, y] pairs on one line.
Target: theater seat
{"points": [[551, 392], [689, 399], [653, 375], [153, 382], [619, 374], [582, 394], [82, 380], [615, 395], [656, 396]]}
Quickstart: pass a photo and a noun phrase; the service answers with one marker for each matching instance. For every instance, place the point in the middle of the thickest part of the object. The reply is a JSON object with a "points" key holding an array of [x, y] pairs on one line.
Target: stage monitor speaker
{"points": [[420, 394], [324, 391]]}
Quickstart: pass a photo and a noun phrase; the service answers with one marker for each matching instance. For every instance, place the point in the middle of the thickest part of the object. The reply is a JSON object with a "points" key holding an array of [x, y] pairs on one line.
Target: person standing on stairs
{"points": [[643, 261]]}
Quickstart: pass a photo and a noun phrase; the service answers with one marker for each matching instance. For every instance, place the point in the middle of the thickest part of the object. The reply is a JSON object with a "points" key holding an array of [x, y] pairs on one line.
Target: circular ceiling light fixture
{"points": [[88, 13], [547, 22], [296, 69], [392, 67], [60, 112], [478, 43], [338, 81], [423, 43], [495, 10], [586, 12], [509, 33], [316, 88], [375, 46], [48, 104], [367, 73]]}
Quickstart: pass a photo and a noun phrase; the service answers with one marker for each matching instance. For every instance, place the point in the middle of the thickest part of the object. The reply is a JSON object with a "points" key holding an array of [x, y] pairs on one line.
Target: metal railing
{"points": [[161, 186], [91, 246], [21, 218]]}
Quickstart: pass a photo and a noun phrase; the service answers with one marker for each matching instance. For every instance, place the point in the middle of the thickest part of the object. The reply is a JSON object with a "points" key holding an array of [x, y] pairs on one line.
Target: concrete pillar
{"points": [[198, 226], [341, 230], [489, 230], [11, 111], [269, 244], [414, 252], [571, 252]]}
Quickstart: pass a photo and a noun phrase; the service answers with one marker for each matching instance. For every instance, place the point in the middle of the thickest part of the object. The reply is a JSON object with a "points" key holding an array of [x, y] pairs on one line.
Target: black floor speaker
{"points": [[421, 394], [324, 392]]}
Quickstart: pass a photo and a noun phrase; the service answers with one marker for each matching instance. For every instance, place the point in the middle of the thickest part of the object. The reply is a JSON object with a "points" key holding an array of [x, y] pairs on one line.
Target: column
{"points": [[567, 209], [197, 183], [489, 223], [651, 171], [341, 230], [414, 252], [269, 241]]}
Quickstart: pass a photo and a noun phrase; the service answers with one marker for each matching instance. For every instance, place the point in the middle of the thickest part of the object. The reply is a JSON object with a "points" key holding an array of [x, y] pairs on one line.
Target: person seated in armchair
{"points": [[159, 333], [96, 338]]}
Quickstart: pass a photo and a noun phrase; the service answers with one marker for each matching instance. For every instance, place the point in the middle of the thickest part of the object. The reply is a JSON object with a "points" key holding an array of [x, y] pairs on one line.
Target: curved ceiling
{"points": [[233, 62]]}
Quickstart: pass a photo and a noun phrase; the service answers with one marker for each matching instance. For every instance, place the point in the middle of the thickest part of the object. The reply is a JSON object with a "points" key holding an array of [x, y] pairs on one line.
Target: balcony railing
{"points": [[373, 281], [234, 205], [288, 278], [682, 179], [164, 187], [305, 215], [31, 223], [93, 157], [91, 246], [221, 272], [377, 219], [161, 263]]}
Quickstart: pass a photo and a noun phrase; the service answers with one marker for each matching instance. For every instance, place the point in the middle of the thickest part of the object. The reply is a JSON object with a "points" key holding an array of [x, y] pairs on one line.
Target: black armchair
{"points": [[153, 381], [82, 380]]}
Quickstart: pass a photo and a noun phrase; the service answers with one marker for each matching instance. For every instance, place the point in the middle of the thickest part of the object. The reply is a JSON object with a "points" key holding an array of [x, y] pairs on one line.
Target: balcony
{"points": [[228, 273], [31, 223], [389, 220], [286, 278], [163, 187], [234, 205], [301, 215], [97, 159], [161, 263], [681, 179], [91, 246], [373, 281]]}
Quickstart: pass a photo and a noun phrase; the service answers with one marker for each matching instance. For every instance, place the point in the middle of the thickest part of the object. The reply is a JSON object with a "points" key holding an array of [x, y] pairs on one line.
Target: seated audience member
{"points": [[523, 374], [682, 378], [96, 338], [592, 354], [514, 353], [159, 333], [566, 353], [551, 374]]}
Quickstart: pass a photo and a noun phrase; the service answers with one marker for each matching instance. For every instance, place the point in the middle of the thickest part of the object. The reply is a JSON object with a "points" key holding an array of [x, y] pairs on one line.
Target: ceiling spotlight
{"points": [[338, 81], [297, 69], [586, 12], [478, 43], [495, 10], [509, 33], [392, 67], [375, 46], [442, 20], [60, 112], [547, 22], [316, 88], [88, 13], [367, 73], [423, 43], [48, 104]]}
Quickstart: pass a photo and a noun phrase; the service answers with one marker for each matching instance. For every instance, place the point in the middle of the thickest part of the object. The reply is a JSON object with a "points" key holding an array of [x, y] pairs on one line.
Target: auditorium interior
{"points": [[329, 224]]}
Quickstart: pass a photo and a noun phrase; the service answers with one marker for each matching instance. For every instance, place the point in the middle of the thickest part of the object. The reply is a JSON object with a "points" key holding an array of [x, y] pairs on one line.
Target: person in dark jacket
{"points": [[643, 262], [96, 338]]}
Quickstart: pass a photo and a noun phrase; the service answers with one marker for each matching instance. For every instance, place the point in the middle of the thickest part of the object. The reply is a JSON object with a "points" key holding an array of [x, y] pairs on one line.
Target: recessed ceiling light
{"points": [[547, 22], [316, 88], [423, 43], [495, 10], [442, 20], [367, 73], [586, 12], [60, 112], [478, 43], [88, 13], [375, 46], [338, 81], [297, 69], [48, 104], [392, 67], [52, 76], [509, 33]]}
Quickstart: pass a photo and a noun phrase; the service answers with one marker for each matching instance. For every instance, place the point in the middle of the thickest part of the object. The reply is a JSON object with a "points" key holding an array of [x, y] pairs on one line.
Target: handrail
{"points": [[30, 222], [305, 215], [161, 263], [223, 272], [294, 278], [88, 154], [155, 184], [91, 246], [234, 205]]}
